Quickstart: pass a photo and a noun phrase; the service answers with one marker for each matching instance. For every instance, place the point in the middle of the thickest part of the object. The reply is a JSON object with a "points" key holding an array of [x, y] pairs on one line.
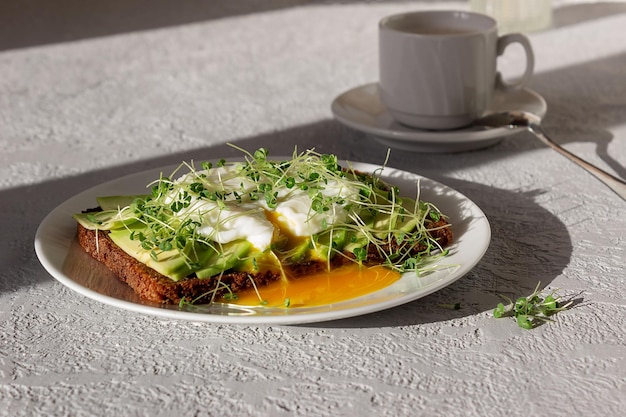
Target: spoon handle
{"points": [[614, 183]]}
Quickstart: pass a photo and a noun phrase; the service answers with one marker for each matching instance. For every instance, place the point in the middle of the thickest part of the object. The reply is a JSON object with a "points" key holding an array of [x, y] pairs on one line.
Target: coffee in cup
{"points": [[438, 68]]}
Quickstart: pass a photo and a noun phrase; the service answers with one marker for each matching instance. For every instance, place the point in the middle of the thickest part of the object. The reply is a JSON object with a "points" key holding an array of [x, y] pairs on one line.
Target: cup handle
{"points": [[503, 42]]}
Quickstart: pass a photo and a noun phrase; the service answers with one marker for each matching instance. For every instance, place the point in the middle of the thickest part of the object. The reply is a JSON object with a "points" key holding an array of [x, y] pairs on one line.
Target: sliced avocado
{"points": [[356, 240], [256, 261], [318, 247], [340, 238], [320, 252], [407, 221], [172, 263], [228, 257], [409, 224], [121, 237], [105, 220], [337, 239], [116, 202], [401, 220], [298, 253], [322, 248], [383, 223]]}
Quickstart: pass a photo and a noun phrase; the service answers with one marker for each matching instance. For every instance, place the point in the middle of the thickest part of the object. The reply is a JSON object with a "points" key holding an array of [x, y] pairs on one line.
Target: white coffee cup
{"points": [[438, 68]]}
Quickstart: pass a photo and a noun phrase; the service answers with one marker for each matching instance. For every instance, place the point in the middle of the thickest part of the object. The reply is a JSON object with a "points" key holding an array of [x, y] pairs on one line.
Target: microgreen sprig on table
{"points": [[533, 310]]}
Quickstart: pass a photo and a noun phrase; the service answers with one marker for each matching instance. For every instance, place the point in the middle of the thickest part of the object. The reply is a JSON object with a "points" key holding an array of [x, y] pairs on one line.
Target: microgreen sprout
{"points": [[360, 254], [228, 295], [453, 306], [533, 310]]}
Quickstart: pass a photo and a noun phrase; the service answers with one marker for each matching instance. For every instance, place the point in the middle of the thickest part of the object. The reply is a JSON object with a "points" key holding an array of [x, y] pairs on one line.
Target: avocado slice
{"points": [[256, 261], [326, 244], [175, 264], [229, 256], [296, 254], [116, 202], [115, 213], [106, 219], [355, 241], [318, 246]]}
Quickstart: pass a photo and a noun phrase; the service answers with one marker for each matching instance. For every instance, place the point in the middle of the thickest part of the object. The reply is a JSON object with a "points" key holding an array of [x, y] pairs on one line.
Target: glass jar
{"points": [[516, 15]]}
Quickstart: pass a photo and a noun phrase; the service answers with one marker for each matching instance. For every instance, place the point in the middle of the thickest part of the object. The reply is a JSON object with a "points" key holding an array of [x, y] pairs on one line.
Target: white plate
{"points": [[65, 260], [361, 109]]}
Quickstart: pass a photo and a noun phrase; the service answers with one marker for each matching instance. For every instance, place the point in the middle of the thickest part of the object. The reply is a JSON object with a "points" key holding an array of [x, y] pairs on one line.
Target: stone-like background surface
{"points": [[90, 94]]}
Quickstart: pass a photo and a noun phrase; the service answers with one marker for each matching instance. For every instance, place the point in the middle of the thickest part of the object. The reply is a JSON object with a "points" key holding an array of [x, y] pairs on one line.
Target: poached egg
{"points": [[237, 215]]}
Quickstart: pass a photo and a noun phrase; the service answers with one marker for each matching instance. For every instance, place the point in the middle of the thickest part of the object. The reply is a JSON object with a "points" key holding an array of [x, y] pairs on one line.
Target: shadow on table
{"points": [[40, 22], [587, 106], [529, 243]]}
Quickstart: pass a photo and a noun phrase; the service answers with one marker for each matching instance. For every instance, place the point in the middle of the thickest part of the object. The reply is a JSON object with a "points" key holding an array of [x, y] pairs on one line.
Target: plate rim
{"points": [[61, 216]]}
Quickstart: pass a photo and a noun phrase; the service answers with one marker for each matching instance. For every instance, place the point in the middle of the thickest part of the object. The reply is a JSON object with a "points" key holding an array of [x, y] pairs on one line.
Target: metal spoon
{"points": [[531, 122]]}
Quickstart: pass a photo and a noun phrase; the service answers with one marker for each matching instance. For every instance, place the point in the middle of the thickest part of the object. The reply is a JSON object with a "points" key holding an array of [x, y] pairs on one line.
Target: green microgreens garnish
{"points": [[451, 306], [533, 310], [376, 221], [360, 254], [190, 303]]}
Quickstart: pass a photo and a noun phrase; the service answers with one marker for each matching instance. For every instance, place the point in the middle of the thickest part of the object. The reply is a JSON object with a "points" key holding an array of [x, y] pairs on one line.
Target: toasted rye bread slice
{"points": [[153, 286]]}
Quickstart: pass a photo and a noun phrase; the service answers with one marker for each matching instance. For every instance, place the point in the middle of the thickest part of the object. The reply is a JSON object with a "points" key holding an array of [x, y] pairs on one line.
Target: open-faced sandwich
{"points": [[208, 233]]}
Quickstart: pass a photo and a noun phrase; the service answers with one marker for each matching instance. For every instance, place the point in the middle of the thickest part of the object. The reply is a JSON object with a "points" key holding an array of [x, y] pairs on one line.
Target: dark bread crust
{"points": [[153, 286]]}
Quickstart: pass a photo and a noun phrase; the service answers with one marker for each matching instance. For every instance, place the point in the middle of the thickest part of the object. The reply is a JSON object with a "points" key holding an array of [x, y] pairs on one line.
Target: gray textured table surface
{"points": [[87, 95]]}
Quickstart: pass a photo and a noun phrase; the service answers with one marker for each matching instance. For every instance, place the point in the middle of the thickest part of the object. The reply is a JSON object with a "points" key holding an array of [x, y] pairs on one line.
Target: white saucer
{"points": [[360, 108]]}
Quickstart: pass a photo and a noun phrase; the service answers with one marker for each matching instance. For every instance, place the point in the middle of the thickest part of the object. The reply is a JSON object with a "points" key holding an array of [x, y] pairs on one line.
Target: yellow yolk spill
{"points": [[346, 282]]}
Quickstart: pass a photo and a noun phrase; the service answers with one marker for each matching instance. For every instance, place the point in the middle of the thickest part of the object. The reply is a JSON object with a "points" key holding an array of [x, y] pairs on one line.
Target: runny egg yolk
{"points": [[341, 284]]}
